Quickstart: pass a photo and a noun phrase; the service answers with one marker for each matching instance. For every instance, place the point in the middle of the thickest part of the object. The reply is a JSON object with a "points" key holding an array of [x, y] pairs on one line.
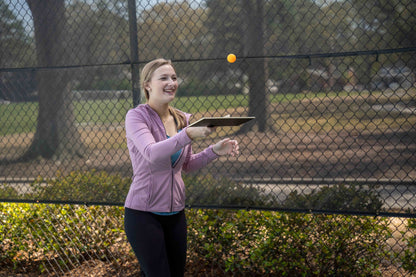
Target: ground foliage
{"points": [[65, 238]]}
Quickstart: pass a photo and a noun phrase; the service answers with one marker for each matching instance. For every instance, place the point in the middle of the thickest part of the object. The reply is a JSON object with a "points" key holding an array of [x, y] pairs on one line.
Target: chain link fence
{"points": [[331, 84]]}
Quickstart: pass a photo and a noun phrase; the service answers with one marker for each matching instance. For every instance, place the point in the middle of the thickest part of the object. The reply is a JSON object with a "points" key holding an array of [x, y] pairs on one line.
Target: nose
{"points": [[171, 81]]}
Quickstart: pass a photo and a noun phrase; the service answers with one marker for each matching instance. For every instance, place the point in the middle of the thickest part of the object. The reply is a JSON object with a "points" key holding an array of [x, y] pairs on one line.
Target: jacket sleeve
{"points": [[196, 161], [137, 130]]}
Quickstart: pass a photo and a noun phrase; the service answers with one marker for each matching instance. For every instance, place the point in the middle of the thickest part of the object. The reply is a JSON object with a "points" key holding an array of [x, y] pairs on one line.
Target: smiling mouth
{"points": [[170, 91]]}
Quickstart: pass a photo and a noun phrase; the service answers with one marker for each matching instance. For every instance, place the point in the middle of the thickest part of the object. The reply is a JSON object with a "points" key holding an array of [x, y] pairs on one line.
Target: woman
{"points": [[159, 144]]}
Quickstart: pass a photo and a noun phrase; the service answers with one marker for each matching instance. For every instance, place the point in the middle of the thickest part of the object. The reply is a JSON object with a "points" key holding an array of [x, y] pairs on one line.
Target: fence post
{"points": [[134, 53]]}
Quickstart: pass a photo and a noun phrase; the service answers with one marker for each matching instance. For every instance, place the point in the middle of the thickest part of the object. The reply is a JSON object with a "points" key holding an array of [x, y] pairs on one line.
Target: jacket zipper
{"points": [[172, 175], [171, 193], [171, 184]]}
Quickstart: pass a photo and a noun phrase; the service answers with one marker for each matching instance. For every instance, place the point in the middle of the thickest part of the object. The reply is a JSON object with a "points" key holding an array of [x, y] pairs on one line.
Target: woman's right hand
{"points": [[199, 132]]}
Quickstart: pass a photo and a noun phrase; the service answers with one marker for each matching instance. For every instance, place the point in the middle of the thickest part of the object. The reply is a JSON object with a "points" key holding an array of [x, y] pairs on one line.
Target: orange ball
{"points": [[231, 58]]}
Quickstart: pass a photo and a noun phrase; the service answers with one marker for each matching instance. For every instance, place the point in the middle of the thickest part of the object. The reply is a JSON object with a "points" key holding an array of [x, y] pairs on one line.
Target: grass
{"points": [[22, 117], [18, 118], [322, 111]]}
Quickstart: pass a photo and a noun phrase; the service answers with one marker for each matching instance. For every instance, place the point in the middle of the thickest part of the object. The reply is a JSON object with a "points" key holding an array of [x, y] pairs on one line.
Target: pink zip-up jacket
{"points": [[157, 186]]}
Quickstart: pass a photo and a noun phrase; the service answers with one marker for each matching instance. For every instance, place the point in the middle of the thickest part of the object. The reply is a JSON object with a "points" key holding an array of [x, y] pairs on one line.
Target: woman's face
{"points": [[163, 85]]}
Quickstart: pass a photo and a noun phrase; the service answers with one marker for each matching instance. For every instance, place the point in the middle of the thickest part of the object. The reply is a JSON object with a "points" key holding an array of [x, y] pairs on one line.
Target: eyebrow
{"points": [[166, 75]]}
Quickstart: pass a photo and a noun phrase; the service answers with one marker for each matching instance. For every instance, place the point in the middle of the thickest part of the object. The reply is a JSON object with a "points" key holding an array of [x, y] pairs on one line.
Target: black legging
{"points": [[158, 241]]}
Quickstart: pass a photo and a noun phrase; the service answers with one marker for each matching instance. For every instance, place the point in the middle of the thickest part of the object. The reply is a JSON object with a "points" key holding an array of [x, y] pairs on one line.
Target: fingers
{"points": [[234, 148], [227, 147], [210, 130], [224, 141], [199, 132]]}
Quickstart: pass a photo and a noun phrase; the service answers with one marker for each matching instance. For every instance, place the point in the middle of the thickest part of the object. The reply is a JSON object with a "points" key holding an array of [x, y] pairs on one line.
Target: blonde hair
{"points": [[146, 76]]}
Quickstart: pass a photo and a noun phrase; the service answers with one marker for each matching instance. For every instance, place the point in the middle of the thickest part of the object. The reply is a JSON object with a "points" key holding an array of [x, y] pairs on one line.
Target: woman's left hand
{"points": [[226, 147]]}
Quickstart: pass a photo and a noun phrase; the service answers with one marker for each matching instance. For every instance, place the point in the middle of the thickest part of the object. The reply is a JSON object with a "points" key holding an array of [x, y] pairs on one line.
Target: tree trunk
{"points": [[255, 67], [56, 133]]}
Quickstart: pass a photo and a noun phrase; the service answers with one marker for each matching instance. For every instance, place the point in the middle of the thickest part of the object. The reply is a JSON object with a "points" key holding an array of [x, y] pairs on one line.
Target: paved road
{"points": [[397, 197]]}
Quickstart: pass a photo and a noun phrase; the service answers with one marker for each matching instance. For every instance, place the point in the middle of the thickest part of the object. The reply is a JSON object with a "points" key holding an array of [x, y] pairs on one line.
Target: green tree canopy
{"points": [[15, 44], [172, 30]]}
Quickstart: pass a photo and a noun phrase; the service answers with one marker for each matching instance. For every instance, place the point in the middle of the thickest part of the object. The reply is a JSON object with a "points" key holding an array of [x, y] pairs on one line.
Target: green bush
{"points": [[198, 87], [100, 187], [409, 257], [336, 198], [205, 190], [30, 233], [191, 88], [90, 186], [14, 233], [287, 244], [235, 241], [106, 84], [252, 242], [7, 192]]}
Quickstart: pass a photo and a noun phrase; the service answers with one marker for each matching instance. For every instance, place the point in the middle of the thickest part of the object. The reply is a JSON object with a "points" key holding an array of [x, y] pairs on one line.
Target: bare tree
{"points": [[255, 67], [56, 134]]}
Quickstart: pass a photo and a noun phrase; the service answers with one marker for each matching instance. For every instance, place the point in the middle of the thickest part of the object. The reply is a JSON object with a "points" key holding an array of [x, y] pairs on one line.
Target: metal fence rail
{"points": [[331, 84]]}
